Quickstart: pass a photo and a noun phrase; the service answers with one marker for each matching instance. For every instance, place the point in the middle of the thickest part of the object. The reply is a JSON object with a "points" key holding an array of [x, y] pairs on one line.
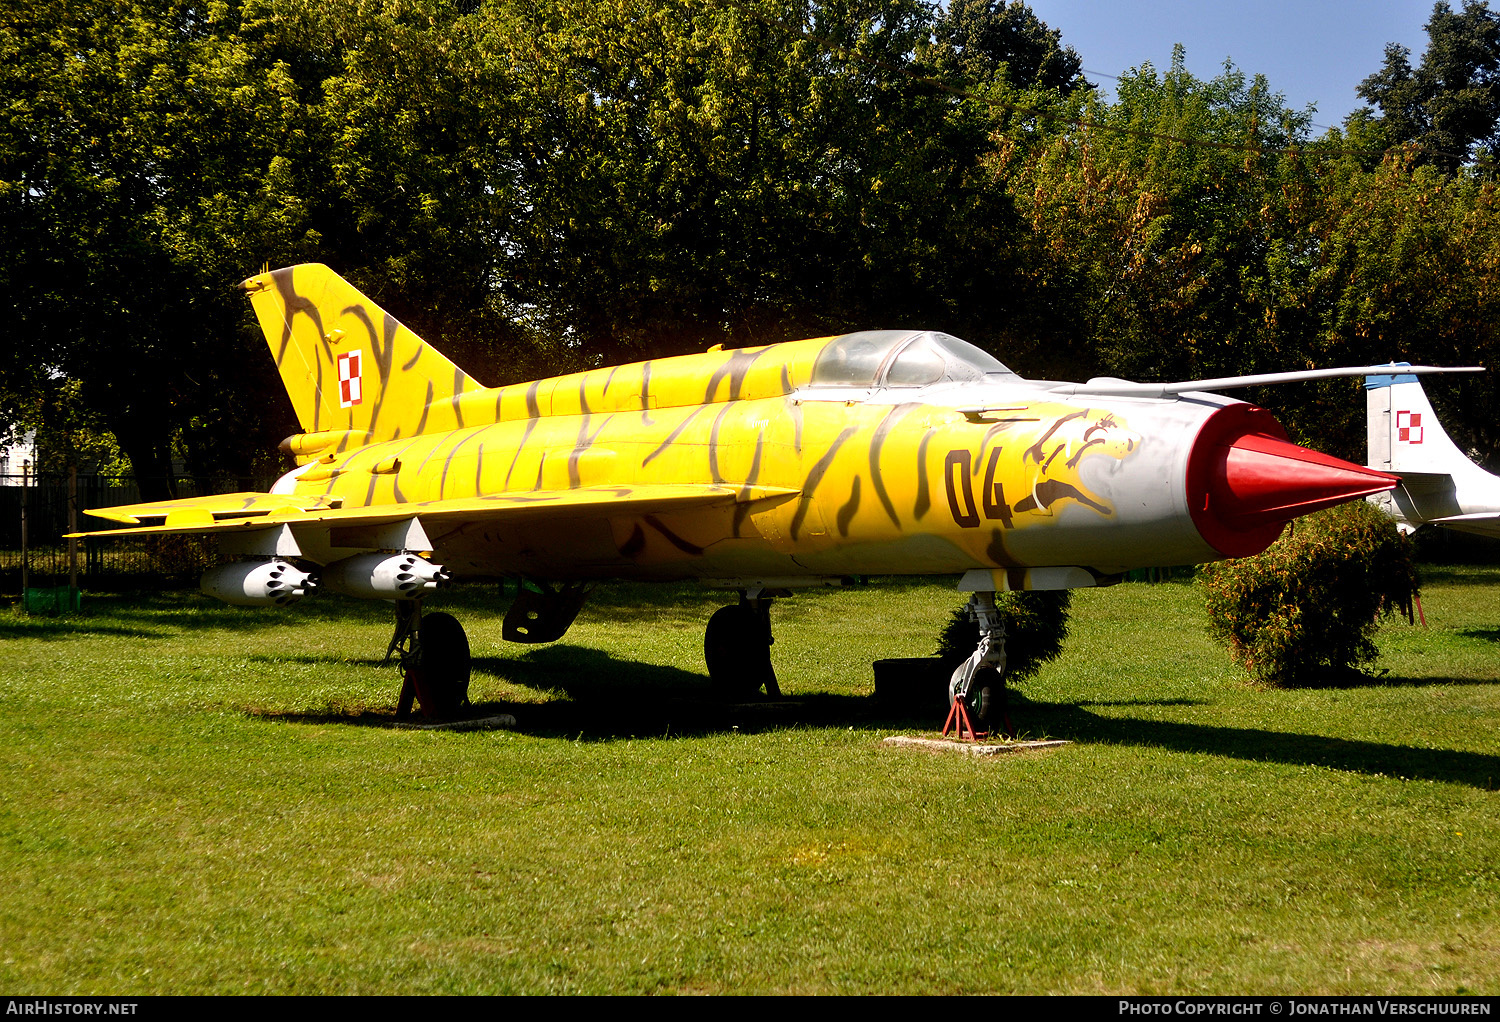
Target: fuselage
{"points": [[904, 452]]}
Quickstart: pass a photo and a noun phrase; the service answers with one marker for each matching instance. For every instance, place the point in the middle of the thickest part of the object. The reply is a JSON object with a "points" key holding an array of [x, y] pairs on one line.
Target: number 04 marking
{"points": [[958, 470]]}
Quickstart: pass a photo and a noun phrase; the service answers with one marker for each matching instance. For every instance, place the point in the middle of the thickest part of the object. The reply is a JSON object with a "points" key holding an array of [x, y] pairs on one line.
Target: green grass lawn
{"points": [[199, 799]]}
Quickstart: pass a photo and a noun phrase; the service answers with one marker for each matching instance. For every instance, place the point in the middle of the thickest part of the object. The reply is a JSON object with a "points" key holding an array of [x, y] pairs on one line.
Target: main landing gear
{"points": [[434, 657], [976, 692], [737, 648]]}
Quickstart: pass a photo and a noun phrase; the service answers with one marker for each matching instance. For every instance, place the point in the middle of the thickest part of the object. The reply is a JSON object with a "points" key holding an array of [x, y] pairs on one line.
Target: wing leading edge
{"points": [[241, 512]]}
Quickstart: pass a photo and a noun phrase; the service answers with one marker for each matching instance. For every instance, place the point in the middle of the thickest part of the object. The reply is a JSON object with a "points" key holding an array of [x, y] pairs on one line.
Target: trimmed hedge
{"points": [[1306, 611]]}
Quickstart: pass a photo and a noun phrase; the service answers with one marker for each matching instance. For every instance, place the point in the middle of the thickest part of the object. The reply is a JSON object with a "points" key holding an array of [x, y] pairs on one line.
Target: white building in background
{"points": [[15, 455]]}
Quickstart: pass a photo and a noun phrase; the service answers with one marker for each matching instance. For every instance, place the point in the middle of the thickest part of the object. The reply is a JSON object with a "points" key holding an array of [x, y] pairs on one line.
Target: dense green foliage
{"points": [[1451, 101], [1036, 623], [1306, 610], [537, 187]]}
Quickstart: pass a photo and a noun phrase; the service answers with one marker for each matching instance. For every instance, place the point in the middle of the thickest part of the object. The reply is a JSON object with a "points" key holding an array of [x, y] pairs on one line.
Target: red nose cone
{"points": [[1264, 480], [1245, 482]]}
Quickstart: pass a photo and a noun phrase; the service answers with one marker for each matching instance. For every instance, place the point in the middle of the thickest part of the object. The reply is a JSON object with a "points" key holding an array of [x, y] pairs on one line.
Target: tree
{"points": [[1450, 103], [746, 172], [1406, 267], [1169, 233], [990, 39], [155, 155], [532, 186], [427, 121], [141, 172], [1193, 229]]}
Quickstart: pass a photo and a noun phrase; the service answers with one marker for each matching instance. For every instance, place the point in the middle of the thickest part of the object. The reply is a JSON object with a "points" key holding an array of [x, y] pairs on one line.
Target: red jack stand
{"points": [[413, 689], [958, 719]]}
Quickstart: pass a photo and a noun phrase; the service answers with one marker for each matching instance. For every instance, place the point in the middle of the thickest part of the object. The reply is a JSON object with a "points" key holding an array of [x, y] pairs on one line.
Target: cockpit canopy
{"points": [[901, 358]]}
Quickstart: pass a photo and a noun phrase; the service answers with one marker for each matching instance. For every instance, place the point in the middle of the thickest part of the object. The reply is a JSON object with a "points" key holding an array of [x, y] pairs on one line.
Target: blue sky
{"points": [[1314, 51]]}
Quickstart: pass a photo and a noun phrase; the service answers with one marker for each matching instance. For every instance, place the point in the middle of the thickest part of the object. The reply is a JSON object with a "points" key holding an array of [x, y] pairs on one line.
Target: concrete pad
{"points": [[969, 748], [499, 720]]}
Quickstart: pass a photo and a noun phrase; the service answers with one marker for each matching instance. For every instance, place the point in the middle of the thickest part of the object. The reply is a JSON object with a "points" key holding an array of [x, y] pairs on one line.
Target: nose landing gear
{"points": [[976, 692]]}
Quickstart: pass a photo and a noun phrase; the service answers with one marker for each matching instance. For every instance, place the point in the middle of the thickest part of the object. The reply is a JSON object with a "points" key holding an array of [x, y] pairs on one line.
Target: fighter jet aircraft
{"points": [[1439, 484], [755, 470]]}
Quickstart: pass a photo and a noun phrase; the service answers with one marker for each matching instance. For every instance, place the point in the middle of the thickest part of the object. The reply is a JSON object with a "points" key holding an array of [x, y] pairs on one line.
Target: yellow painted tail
{"points": [[347, 364]]}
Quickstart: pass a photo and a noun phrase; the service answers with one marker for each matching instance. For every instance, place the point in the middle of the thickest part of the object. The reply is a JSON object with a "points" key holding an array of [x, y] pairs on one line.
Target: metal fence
{"points": [[43, 506]]}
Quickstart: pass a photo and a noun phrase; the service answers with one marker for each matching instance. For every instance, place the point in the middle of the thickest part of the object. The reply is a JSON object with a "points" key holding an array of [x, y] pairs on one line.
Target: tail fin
{"points": [[347, 364], [1439, 483], [1402, 431]]}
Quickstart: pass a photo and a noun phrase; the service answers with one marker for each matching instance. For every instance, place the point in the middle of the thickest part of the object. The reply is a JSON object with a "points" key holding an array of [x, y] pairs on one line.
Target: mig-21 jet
{"points": [[756, 470]]}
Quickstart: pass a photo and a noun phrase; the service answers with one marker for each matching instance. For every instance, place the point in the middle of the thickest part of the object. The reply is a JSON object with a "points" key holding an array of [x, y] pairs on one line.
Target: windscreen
{"points": [[902, 358]]}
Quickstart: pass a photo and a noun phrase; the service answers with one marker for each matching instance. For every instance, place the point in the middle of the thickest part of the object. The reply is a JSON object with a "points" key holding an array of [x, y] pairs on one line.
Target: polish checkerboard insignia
{"points": [[1409, 427], [350, 384]]}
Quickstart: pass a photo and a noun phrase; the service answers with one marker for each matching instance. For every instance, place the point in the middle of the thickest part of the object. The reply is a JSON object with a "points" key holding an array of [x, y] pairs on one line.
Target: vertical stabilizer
{"points": [[1403, 433], [1439, 483], [347, 364]]}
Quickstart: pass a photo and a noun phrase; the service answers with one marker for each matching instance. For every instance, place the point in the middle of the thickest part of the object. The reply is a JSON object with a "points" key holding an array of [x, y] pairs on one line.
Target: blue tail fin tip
{"points": [[1376, 382]]}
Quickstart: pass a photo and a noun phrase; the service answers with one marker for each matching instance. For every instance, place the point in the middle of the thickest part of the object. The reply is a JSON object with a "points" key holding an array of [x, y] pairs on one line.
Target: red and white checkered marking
{"points": [[1409, 427], [351, 389]]}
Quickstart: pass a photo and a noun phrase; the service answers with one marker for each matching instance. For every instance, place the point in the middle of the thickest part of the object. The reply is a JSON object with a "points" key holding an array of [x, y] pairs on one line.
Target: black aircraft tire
{"points": [[444, 663], [981, 700], [737, 653]]}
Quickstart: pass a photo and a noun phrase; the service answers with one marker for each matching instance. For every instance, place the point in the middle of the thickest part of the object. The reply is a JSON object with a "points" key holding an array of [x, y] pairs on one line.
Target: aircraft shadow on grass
{"points": [[1455, 577], [1074, 722], [593, 675], [1355, 679], [605, 699], [610, 699], [316, 659]]}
